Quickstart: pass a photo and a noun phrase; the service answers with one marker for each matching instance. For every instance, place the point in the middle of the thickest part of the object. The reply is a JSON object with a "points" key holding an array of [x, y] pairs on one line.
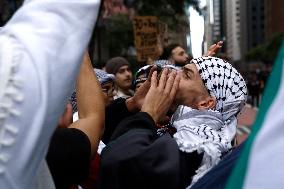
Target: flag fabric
{"points": [[217, 177], [261, 164]]}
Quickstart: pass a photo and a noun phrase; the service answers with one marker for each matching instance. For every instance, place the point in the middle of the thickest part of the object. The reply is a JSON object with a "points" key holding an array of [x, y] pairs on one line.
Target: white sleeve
{"points": [[41, 49]]}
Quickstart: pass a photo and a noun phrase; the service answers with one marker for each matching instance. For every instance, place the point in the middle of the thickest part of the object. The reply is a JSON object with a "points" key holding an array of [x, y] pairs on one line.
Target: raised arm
{"points": [[71, 148], [91, 107], [213, 49]]}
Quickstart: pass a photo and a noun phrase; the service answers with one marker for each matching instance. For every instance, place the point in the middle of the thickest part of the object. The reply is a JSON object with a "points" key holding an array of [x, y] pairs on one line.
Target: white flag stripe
{"points": [[266, 162]]}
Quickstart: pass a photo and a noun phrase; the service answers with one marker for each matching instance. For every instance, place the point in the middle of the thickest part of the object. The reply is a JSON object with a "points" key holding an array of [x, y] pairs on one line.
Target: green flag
{"points": [[261, 164]]}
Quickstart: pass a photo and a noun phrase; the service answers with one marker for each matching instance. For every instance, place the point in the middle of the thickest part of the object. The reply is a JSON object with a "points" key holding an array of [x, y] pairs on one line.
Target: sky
{"points": [[196, 30]]}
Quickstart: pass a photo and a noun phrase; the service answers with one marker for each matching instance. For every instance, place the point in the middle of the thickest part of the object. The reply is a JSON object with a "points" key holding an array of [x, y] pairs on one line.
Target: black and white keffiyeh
{"points": [[162, 63], [139, 77], [223, 82], [166, 64], [103, 78], [146, 70], [205, 132], [211, 131]]}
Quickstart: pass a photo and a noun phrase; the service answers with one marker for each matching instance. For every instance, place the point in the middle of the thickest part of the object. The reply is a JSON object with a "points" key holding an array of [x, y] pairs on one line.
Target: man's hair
{"points": [[167, 51]]}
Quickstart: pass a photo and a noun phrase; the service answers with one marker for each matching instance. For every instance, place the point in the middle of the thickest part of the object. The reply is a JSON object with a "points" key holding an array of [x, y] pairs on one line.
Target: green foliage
{"points": [[168, 11], [266, 52], [119, 28], [120, 36]]}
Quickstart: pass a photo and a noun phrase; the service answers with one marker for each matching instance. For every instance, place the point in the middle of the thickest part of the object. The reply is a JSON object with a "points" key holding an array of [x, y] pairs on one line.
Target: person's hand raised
{"points": [[161, 94], [213, 49], [135, 103]]}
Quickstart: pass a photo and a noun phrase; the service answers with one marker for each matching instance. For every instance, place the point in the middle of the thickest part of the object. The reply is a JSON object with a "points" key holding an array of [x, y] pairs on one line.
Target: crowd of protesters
{"points": [[256, 81], [165, 126]]}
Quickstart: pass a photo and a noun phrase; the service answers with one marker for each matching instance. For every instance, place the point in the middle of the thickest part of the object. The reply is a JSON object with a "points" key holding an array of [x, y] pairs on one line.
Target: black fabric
{"points": [[115, 113], [141, 120], [218, 176], [68, 157], [137, 157], [189, 163]]}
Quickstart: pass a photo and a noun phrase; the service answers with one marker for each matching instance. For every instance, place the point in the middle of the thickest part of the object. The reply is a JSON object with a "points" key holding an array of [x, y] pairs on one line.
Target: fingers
{"points": [[220, 44], [161, 94], [175, 86], [212, 53], [154, 81], [154, 68], [212, 47], [215, 46], [163, 79], [211, 50], [170, 82]]}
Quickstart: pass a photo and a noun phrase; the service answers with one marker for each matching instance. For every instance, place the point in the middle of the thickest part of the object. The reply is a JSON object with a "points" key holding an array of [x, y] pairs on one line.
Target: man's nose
{"points": [[128, 73]]}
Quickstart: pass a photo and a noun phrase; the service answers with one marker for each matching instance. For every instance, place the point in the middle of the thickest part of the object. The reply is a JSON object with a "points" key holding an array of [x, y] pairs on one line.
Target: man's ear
{"points": [[207, 103]]}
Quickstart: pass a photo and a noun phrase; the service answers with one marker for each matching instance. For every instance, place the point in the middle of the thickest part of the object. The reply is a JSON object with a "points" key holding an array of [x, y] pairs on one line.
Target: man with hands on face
{"points": [[136, 157], [212, 93]]}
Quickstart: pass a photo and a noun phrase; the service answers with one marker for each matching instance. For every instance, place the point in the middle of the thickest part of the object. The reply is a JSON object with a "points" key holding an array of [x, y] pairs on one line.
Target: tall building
{"points": [[233, 30], [180, 33], [213, 20], [255, 23], [252, 24], [207, 26], [274, 16]]}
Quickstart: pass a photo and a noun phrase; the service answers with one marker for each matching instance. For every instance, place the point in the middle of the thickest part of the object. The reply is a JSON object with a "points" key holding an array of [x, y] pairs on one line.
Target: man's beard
{"points": [[180, 64]]}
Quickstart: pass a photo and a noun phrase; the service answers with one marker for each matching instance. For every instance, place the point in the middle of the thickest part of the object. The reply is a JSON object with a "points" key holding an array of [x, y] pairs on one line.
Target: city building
{"points": [[252, 25], [180, 33], [274, 16], [213, 20], [233, 30]]}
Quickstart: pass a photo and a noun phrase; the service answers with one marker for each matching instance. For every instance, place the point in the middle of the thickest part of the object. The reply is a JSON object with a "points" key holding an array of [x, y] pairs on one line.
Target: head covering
{"points": [[211, 132], [223, 82], [113, 65], [146, 69], [103, 78], [162, 63], [166, 64], [73, 101]]}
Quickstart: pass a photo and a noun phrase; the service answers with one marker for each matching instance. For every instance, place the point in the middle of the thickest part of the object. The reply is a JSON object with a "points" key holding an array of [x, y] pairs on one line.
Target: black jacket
{"points": [[136, 157]]}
